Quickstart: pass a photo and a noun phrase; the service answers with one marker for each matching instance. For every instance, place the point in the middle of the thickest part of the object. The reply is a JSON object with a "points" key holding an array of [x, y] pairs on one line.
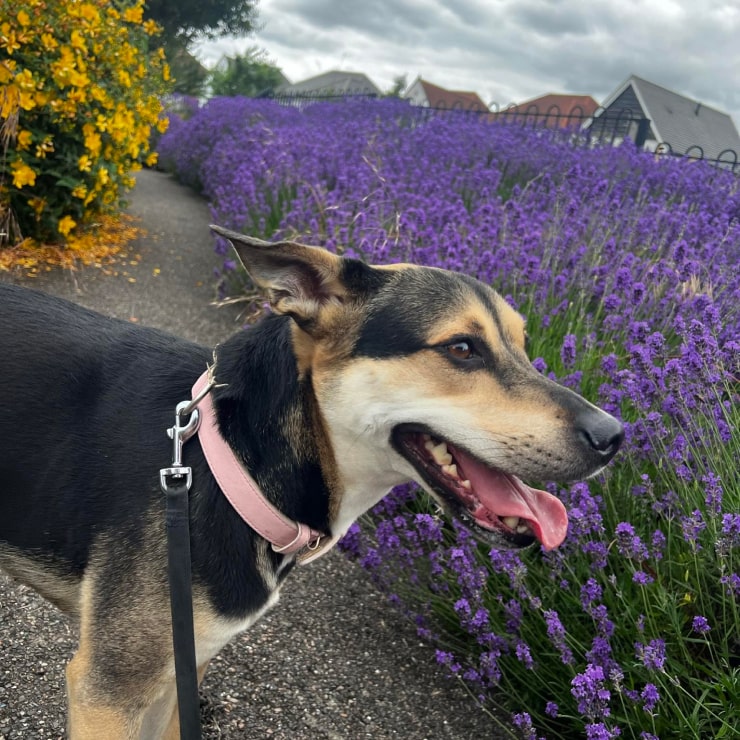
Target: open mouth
{"points": [[494, 505]]}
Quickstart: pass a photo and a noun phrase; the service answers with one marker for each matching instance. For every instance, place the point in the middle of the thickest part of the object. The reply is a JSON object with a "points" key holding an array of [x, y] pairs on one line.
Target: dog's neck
{"points": [[268, 415]]}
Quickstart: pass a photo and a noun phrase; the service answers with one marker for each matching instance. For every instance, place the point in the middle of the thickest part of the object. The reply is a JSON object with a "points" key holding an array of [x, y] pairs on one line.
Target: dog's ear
{"points": [[299, 280]]}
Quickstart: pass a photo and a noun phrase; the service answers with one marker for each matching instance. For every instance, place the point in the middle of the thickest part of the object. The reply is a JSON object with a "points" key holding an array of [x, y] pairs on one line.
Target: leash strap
{"points": [[181, 605], [175, 482]]}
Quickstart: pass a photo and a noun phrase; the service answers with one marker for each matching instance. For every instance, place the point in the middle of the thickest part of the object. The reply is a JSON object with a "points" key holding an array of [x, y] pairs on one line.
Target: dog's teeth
{"points": [[466, 484], [512, 522], [450, 470], [440, 454], [524, 529]]}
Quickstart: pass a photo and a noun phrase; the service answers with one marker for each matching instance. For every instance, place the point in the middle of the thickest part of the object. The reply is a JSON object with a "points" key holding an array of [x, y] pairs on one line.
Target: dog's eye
{"points": [[462, 350]]}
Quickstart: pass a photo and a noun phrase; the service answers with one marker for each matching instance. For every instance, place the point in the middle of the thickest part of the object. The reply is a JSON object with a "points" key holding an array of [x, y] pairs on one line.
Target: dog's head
{"points": [[421, 374]]}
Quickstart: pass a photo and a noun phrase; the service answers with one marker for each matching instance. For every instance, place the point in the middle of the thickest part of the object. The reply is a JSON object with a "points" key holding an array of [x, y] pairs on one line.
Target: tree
{"points": [[400, 83], [250, 74], [186, 19], [183, 21], [190, 76]]}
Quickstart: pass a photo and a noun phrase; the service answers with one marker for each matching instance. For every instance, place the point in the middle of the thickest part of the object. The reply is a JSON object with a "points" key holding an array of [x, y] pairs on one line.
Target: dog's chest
{"points": [[213, 631]]}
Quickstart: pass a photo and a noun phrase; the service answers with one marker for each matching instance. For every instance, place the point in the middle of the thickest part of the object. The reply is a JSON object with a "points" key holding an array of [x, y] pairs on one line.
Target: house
{"points": [[332, 83], [654, 116], [424, 93], [554, 109]]}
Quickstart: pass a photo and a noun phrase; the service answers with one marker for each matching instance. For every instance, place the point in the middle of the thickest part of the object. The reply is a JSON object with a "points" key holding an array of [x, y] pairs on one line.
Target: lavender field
{"points": [[626, 268]]}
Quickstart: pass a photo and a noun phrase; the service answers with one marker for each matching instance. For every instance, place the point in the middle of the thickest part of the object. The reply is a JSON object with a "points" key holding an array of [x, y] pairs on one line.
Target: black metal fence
{"points": [[604, 125]]}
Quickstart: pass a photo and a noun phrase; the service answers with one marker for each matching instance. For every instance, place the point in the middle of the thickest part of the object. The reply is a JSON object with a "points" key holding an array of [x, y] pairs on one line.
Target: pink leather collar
{"points": [[240, 489]]}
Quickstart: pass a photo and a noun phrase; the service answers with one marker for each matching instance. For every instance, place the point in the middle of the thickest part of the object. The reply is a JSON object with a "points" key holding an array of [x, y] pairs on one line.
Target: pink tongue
{"points": [[505, 495]]}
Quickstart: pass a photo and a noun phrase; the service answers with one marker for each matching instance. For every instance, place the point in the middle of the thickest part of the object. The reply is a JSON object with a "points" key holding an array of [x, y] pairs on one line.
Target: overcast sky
{"points": [[508, 50]]}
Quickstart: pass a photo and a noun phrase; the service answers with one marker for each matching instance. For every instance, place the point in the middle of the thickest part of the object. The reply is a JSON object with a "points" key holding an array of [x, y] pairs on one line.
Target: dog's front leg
{"points": [[90, 715], [121, 680], [173, 726]]}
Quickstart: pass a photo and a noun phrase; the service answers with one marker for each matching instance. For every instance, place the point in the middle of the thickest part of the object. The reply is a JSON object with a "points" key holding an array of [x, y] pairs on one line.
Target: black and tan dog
{"points": [[362, 378]]}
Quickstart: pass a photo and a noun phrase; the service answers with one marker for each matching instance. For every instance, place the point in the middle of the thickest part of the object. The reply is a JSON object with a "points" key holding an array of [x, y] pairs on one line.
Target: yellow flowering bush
{"points": [[80, 89]]}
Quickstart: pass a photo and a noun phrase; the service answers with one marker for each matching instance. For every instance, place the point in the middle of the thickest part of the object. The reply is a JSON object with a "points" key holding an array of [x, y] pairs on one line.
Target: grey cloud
{"points": [[515, 49]]}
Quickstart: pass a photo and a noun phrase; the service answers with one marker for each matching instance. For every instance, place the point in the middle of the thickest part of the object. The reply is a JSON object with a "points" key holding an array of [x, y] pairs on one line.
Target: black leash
{"points": [[175, 482]]}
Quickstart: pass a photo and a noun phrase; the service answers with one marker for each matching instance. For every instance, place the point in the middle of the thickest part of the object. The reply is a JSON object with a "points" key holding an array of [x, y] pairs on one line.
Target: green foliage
{"points": [[400, 83], [79, 98], [212, 18], [189, 75], [250, 74]]}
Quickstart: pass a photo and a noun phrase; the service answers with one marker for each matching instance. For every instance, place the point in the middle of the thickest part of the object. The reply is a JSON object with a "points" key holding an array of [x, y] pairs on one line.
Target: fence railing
{"points": [[604, 125]]}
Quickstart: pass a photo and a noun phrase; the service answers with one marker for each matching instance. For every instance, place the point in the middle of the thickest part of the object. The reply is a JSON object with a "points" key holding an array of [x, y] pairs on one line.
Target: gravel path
{"points": [[332, 660]]}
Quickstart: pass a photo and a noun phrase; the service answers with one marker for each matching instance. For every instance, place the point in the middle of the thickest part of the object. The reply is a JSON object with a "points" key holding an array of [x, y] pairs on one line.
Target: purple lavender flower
{"points": [[650, 697], [524, 655], [658, 543], [589, 690], [713, 492], [568, 351], [700, 625], [692, 526], [599, 731], [732, 585], [590, 592], [556, 633], [523, 722], [652, 654], [731, 525]]}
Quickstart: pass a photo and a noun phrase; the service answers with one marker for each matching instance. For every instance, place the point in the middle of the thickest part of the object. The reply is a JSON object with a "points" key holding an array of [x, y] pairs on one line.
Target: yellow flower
{"points": [[23, 18], [134, 15], [22, 174], [48, 41], [27, 100], [78, 80], [151, 27], [6, 75], [37, 205], [93, 143], [84, 163], [89, 13], [10, 101], [80, 192], [24, 140], [9, 42], [66, 225], [77, 41]]}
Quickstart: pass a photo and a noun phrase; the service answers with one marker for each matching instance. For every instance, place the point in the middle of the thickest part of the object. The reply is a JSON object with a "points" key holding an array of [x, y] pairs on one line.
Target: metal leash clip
{"points": [[179, 434]]}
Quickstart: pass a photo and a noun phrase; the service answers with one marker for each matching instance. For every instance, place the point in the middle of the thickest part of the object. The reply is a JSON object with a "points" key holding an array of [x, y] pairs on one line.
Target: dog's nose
{"points": [[600, 431]]}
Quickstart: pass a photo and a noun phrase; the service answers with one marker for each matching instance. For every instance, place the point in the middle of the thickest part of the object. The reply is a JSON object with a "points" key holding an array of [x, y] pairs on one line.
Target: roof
{"points": [[563, 104], [333, 83], [439, 97], [681, 121]]}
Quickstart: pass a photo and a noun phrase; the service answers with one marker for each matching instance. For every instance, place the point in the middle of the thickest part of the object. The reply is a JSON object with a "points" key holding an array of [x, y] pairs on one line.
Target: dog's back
{"points": [[72, 379]]}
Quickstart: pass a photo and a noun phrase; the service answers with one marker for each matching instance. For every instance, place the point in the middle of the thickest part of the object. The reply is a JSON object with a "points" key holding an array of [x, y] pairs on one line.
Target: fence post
{"points": [[643, 128]]}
